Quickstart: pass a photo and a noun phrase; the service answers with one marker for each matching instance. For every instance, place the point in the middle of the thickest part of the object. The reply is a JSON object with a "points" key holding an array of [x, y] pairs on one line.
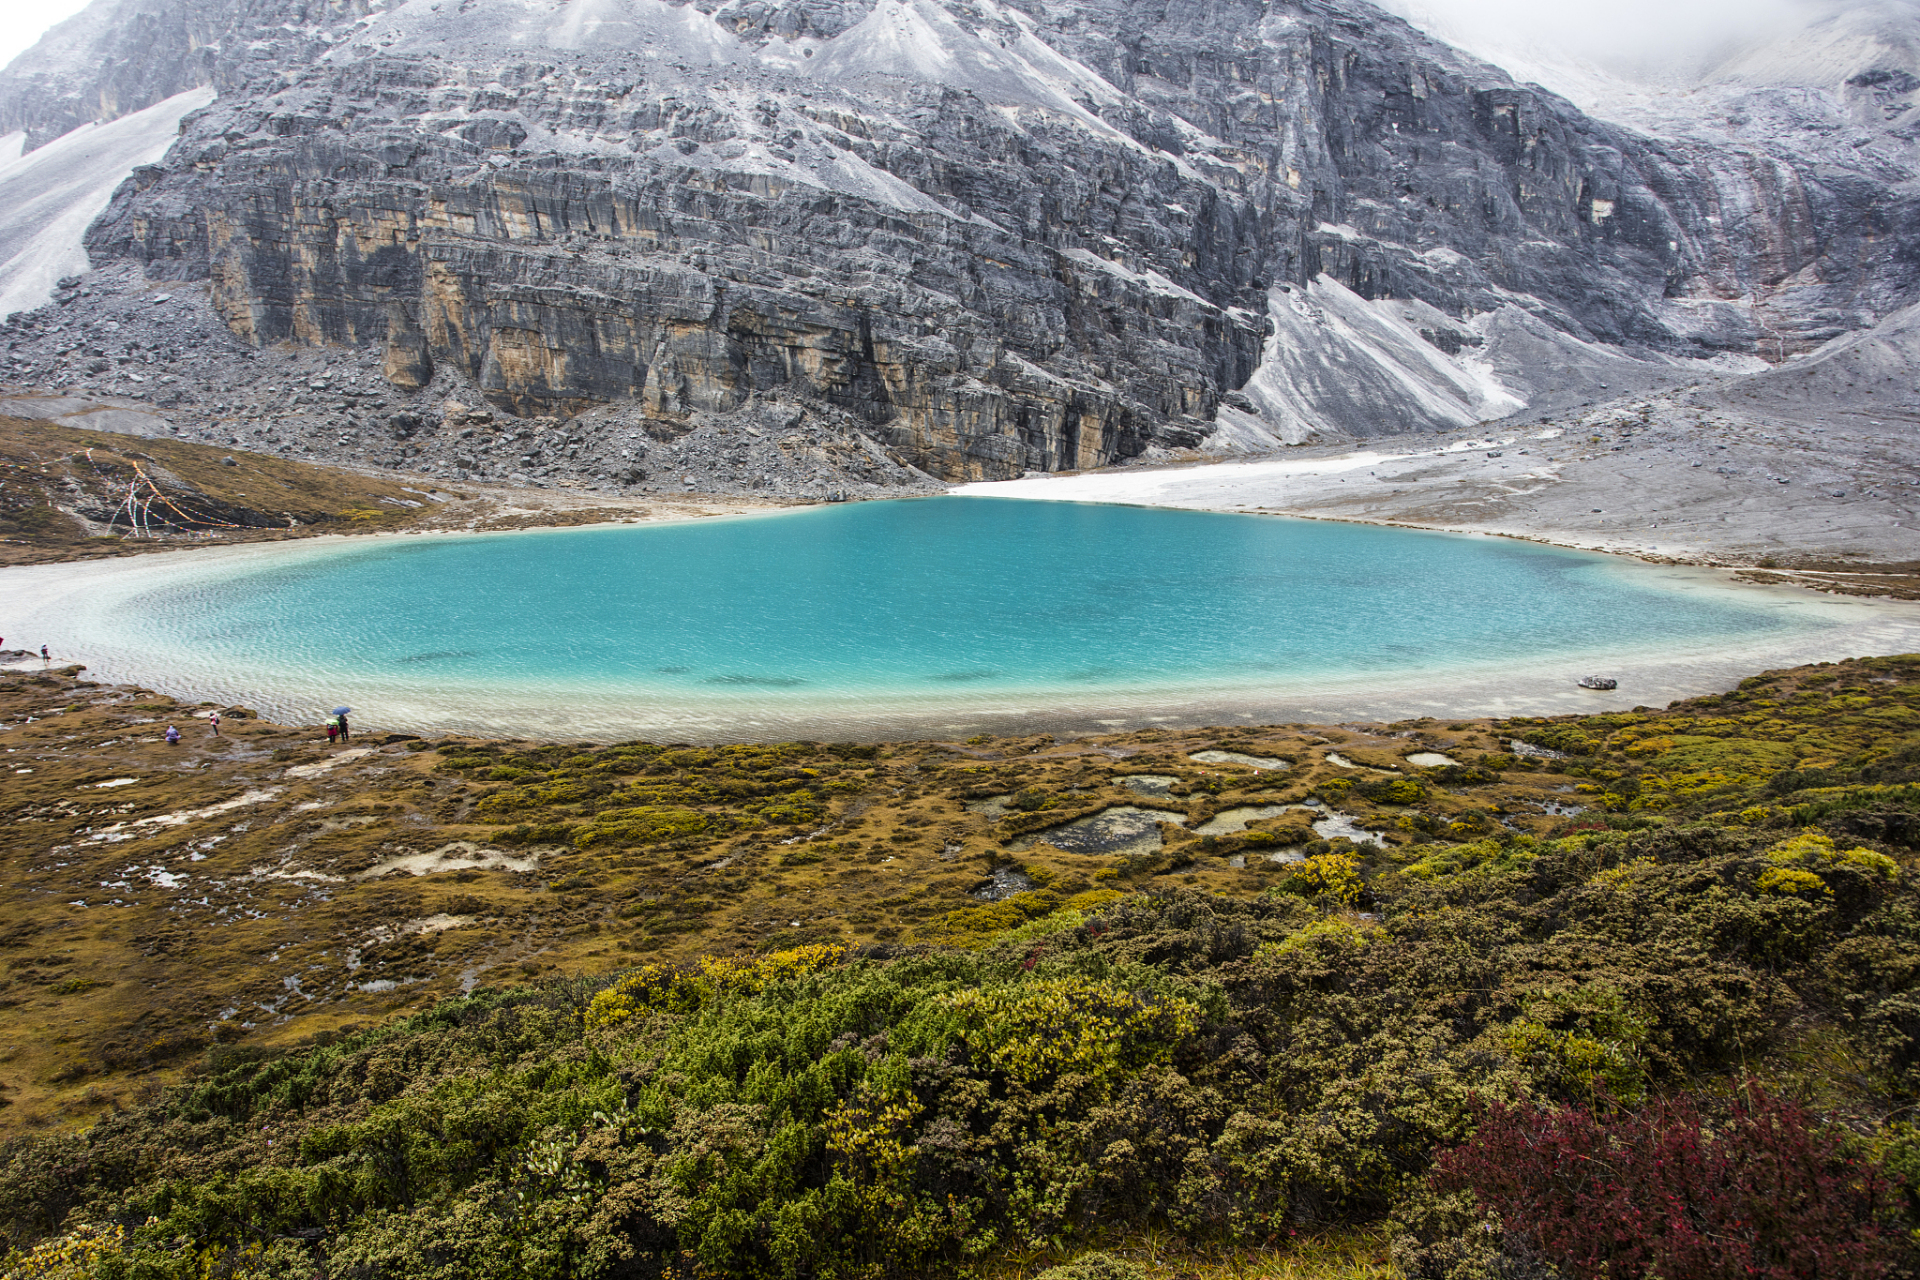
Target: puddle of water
{"points": [[1158, 785], [287, 871], [1228, 821], [331, 762], [1336, 826], [1002, 883], [1120, 829], [1235, 757], [131, 830], [1560, 810], [461, 855], [1334, 757], [991, 807], [1430, 759], [424, 924], [111, 782]]}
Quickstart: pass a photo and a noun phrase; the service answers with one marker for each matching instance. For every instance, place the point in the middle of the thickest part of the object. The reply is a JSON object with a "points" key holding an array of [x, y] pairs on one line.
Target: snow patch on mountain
{"points": [[1336, 363], [50, 195]]}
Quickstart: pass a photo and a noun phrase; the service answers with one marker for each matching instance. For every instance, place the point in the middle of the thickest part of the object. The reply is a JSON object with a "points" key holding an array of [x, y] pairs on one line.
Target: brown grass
{"points": [[48, 472], [1352, 1255]]}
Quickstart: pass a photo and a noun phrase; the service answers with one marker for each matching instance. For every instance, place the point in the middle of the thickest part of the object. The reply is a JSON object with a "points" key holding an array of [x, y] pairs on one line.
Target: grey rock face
{"points": [[165, 363], [989, 238]]}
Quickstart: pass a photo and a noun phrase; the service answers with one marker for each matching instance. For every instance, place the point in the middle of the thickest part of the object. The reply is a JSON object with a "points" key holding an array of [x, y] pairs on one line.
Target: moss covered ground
{"points": [[456, 1007]]}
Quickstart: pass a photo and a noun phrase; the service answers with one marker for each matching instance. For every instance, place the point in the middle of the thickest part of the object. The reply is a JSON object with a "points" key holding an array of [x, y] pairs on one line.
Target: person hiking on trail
{"points": [[346, 735], [213, 722], [44, 655], [333, 731], [173, 736]]}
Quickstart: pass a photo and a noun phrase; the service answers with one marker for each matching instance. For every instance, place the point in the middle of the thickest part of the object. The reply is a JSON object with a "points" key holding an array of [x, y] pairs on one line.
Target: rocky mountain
{"points": [[988, 237]]}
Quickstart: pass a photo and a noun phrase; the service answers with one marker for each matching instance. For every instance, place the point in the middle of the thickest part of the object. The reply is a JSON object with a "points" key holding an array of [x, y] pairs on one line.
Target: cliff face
{"points": [[1001, 237]]}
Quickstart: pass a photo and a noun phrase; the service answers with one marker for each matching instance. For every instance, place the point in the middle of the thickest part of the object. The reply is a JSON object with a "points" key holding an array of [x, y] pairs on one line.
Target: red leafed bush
{"points": [[1759, 1193]]}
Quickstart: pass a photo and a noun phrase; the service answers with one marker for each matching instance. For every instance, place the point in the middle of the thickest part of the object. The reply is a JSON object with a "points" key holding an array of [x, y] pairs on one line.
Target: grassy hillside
{"points": [[733, 1011], [64, 495], [181, 491]]}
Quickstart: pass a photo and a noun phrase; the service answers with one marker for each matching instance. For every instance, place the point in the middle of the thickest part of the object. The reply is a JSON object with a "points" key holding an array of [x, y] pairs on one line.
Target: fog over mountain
{"points": [[23, 22], [1635, 38], [989, 237]]}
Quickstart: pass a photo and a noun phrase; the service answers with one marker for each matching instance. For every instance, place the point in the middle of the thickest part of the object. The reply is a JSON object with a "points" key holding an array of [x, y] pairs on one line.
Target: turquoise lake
{"points": [[941, 613]]}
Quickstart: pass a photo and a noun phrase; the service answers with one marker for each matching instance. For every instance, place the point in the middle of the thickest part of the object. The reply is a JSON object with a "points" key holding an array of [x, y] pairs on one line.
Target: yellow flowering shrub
{"points": [[1793, 880], [1613, 877], [659, 986], [1816, 851], [651, 986], [1333, 875], [1054, 1026], [73, 1256], [741, 974]]}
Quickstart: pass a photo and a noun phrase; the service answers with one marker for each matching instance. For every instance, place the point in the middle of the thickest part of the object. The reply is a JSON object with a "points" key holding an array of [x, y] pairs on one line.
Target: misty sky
{"points": [[22, 21], [1659, 31], [1605, 30]]}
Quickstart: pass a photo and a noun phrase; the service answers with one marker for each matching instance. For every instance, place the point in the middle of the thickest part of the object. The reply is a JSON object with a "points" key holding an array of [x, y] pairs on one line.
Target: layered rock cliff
{"points": [[1000, 237]]}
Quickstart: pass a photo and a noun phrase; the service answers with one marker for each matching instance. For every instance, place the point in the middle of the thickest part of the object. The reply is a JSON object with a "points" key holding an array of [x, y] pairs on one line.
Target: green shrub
{"points": [[1392, 790], [1567, 739], [1096, 1266], [1018, 1075]]}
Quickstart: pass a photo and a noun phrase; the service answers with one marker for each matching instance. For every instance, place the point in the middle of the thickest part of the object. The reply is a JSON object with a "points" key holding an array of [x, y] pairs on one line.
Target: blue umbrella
{"points": [[341, 711]]}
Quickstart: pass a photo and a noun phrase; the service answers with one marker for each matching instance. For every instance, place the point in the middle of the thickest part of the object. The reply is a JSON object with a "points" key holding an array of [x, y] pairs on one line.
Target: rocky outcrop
{"points": [[998, 238]]}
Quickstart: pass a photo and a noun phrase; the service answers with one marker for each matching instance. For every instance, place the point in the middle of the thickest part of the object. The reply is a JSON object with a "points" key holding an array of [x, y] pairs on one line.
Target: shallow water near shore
{"points": [[926, 616]]}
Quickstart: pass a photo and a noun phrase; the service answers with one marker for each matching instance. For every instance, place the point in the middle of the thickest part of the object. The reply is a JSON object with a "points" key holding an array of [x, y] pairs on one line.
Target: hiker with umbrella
{"points": [[340, 722]]}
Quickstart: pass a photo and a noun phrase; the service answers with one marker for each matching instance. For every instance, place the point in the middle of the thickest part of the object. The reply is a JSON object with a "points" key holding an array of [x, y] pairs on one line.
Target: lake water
{"points": [[938, 614]]}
